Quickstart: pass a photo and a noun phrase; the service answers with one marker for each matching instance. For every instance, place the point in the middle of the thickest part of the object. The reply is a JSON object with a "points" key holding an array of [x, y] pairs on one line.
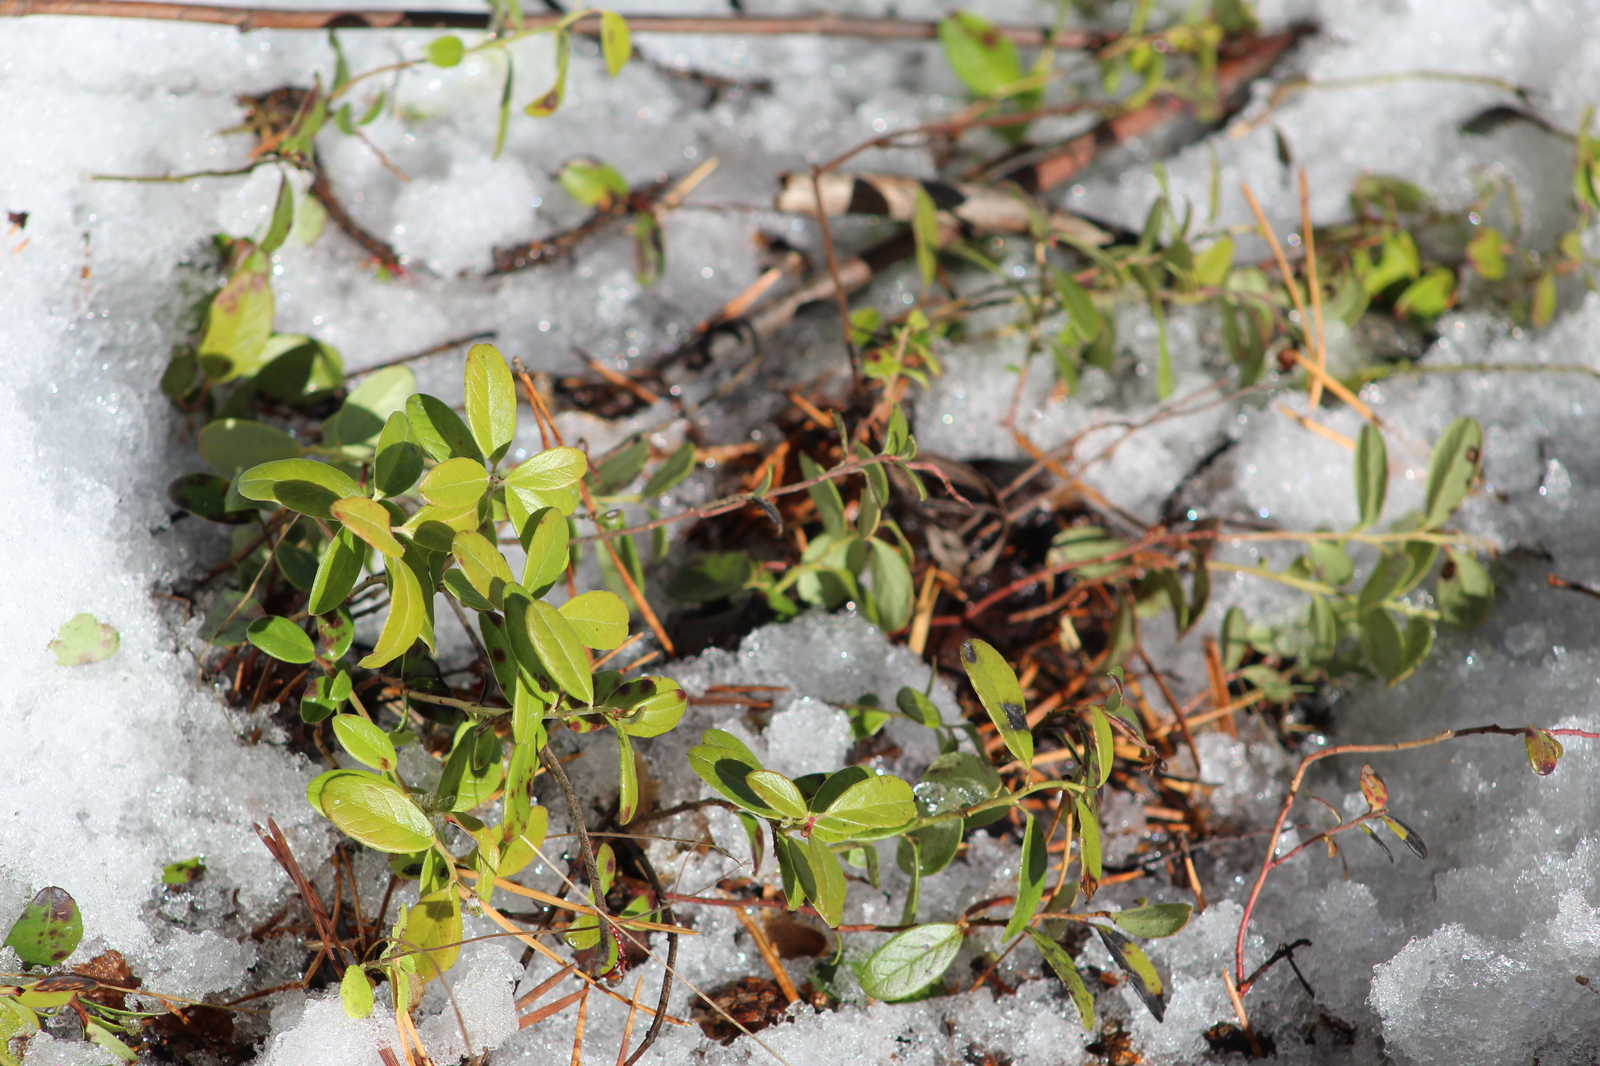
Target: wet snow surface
{"points": [[114, 769]]}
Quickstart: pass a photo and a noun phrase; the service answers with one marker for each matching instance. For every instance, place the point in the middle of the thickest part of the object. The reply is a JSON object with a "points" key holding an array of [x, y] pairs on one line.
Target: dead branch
{"points": [[980, 208]]}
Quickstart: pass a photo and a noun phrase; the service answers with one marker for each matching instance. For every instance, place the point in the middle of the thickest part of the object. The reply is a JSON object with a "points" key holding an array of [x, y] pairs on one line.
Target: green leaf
{"points": [[355, 992], [979, 54], [374, 812], [549, 470], [337, 572], [546, 540], [408, 616], [239, 322], [298, 370], [433, 924], [1486, 253], [282, 218], [1383, 643], [1466, 591], [398, 462], [723, 762], [356, 426], [1001, 696], [825, 494], [1452, 470], [627, 780], [455, 484], [925, 231], [615, 43], [1330, 563], [206, 496], [917, 707], [621, 468], [299, 484], [230, 445], [880, 801], [791, 859], [1543, 307], [892, 591], [828, 888], [84, 639], [650, 706], [560, 650], [472, 772], [1429, 296], [1136, 964], [1032, 871], [908, 962], [184, 871], [677, 466], [446, 51], [779, 793], [1083, 318], [598, 618], [1089, 856], [281, 639], [1154, 920], [1104, 745], [438, 430], [1059, 961], [97, 1034], [711, 576], [365, 742], [49, 930], [491, 401], [1211, 266], [593, 184], [1372, 474]]}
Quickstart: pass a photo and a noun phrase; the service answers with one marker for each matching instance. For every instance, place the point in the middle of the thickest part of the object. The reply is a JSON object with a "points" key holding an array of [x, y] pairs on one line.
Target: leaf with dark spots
{"points": [[1014, 716], [49, 929]]}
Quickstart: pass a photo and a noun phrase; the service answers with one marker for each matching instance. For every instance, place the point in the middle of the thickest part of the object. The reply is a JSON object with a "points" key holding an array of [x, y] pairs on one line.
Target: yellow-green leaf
{"points": [[546, 539], [365, 742], [375, 812], [408, 615], [615, 42], [598, 618], [455, 484], [239, 322], [355, 992], [369, 520], [491, 401], [485, 568], [551, 469]]}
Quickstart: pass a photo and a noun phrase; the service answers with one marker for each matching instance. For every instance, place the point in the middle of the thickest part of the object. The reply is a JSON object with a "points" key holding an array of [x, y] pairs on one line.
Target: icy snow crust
{"points": [[116, 768]]}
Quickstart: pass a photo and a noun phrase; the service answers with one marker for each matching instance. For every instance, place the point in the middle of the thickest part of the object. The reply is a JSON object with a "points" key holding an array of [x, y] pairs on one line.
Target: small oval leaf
{"points": [[600, 619], [908, 962], [281, 639], [365, 742], [455, 484], [48, 931], [1155, 920], [375, 812]]}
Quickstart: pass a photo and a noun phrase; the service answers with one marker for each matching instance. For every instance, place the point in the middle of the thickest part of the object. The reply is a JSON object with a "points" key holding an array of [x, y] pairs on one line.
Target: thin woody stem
{"points": [[1272, 861], [247, 18]]}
